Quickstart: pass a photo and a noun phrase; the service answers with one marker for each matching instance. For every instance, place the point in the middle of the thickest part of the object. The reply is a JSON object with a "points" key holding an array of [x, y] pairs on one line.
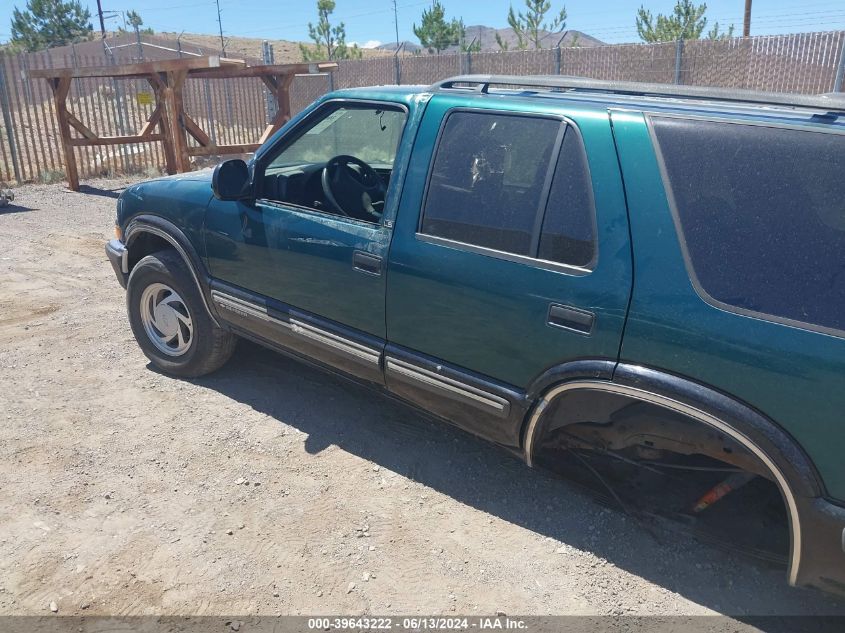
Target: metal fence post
{"points": [[7, 119], [269, 98], [209, 112], [397, 65], [679, 55], [121, 110], [558, 59], [840, 69]]}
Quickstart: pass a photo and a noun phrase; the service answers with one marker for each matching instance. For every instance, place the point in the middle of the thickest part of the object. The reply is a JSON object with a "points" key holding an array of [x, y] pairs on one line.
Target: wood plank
{"points": [[151, 123], [270, 82], [193, 128], [80, 126], [160, 91], [141, 69], [270, 70], [61, 86], [115, 140], [283, 114], [175, 109], [213, 150]]}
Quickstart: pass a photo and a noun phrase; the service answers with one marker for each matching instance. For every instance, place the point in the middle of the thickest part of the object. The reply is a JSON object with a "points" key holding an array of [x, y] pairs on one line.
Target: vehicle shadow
{"points": [[15, 208], [334, 411], [96, 191]]}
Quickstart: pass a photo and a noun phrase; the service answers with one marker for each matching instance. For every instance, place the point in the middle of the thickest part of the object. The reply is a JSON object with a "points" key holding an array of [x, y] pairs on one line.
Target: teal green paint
{"points": [[489, 314], [794, 376]]}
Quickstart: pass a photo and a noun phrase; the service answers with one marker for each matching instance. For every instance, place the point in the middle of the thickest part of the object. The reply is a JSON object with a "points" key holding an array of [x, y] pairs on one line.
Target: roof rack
{"points": [[831, 102]]}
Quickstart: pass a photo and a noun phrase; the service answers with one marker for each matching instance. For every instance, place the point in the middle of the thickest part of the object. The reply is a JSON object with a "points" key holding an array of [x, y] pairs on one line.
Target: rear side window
{"points": [[490, 187], [488, 178], [761, 212]]}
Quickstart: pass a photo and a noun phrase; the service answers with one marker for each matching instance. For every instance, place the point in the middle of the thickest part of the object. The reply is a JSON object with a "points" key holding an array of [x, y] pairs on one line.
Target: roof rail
{"points": [[831, 102]]}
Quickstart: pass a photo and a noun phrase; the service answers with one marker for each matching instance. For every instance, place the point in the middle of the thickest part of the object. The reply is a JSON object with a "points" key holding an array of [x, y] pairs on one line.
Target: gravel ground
{"points": [[272, 488]]}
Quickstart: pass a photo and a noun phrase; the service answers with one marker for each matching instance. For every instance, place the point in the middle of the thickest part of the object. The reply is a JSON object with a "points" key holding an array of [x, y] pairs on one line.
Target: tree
{"points": [[687, 22], [468, 47], [329, 41], [134, 19], [530, 27], [435, 33], [46, 23]]}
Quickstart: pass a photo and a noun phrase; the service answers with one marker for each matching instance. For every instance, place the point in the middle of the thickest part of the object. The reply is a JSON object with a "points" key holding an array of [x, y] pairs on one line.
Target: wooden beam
{"points": [[268, 70], [175, 81], [140, 70], [60, 87], [115, 140], [214, 150], [160, 90], [283, 114], [271, 83], [195, 130], [149, 126], [80, 126]]}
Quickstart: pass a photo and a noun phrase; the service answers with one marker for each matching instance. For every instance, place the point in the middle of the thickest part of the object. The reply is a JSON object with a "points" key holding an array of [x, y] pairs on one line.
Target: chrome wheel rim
{"points": [[166, 319]]}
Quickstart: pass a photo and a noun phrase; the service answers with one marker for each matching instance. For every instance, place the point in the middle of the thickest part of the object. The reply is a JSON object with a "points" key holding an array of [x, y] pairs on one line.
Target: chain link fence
{"points": [[235, 111]]}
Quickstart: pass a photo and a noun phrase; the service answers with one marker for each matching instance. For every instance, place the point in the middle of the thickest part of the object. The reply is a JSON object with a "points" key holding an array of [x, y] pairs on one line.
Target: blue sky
{"points": [[369, 21]]}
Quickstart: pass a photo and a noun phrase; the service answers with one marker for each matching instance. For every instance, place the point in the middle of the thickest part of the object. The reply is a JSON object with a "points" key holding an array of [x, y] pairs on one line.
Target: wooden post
{"points": [[281, 89], [175, 108], [159, 89], [61, 87]]}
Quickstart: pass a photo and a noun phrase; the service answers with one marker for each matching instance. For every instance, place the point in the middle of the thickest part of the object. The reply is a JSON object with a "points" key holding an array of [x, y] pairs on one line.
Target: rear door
{"points": [[510, 256]]}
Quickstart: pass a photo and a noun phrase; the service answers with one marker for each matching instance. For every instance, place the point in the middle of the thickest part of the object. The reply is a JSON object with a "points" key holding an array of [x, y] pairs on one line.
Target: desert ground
{"points": [[271, 487]]}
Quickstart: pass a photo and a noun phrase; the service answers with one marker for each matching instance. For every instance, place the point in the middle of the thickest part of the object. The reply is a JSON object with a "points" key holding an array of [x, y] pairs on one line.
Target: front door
{"points": [[310, 251], [511, 257]]}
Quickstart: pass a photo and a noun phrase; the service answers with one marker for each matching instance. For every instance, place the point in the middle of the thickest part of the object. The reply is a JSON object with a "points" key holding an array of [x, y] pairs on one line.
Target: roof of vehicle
{"points": [[826, 109]]}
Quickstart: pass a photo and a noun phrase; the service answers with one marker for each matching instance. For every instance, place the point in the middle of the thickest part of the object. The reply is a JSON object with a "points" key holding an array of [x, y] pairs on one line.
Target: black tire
{"points": [[208, 347]]}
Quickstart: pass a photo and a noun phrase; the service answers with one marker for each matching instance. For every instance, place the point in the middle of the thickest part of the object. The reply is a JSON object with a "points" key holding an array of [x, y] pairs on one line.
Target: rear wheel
{"points": [[170, 321]]}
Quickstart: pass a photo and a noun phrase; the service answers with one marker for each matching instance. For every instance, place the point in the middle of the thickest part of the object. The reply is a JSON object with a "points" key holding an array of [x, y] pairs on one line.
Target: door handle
{"points": [[366, 263], [574, 319]]}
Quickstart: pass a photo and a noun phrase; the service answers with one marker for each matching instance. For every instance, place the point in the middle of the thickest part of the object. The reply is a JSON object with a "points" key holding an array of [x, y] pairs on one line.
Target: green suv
{"points": [[652, 272]]}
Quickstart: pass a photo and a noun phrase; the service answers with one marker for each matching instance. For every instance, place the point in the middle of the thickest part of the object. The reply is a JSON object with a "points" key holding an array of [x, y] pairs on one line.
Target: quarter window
{"points": [[761, 211]]}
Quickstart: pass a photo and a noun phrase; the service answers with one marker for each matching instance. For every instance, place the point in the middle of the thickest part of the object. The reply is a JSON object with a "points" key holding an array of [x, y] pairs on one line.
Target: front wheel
{"points": [[169, 319]]}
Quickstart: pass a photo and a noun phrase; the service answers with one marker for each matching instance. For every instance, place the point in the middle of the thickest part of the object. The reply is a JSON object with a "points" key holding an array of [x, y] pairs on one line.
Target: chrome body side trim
{"points": [[335, 343], [245, 308], [448, 387], [693, 412]]}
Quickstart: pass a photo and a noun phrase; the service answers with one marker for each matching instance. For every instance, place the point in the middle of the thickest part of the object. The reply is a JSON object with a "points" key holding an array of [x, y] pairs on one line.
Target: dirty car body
{"points": [[655, 274]]}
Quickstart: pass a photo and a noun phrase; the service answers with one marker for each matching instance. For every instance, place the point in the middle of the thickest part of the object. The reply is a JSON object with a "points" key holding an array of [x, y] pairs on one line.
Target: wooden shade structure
{"points": [[169, 123]]}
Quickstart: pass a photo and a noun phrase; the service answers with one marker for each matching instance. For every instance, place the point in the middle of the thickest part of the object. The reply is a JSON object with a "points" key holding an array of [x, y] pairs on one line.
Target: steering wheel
{"points": [[353, 192]]}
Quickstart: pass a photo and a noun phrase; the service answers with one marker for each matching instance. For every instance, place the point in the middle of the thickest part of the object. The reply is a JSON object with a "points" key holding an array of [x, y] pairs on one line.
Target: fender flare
{"points": [[166, 230], [792, 470]]}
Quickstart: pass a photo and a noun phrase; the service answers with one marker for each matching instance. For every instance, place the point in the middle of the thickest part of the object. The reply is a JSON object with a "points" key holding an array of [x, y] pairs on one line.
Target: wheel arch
{"points": [[146, 234], [791, 469]]}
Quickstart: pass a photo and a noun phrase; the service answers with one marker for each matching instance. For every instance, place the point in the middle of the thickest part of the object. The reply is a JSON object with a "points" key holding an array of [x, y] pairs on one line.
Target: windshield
{"points": [[369, 133]]}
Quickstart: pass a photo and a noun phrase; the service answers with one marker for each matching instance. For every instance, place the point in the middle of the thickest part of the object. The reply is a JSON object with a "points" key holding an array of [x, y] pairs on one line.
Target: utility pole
{"points": [[396, 23], [746, 25], [102, 22], [219, 24]]}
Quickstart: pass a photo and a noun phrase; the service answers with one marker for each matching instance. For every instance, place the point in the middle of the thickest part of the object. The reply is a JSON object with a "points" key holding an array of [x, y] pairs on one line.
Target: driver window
{"points": [[339, 163]]}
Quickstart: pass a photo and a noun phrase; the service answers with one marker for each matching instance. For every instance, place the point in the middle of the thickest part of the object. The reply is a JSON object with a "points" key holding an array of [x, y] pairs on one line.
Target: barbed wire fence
{"points": [[235, 111]]}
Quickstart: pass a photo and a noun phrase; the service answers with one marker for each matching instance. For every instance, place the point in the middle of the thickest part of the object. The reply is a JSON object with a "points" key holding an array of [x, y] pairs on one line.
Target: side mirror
{"points": [[230, 180]]}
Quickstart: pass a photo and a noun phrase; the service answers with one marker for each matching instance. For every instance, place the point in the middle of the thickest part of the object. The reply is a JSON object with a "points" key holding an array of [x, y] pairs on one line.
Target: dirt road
{"points": [[270, 487]]}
